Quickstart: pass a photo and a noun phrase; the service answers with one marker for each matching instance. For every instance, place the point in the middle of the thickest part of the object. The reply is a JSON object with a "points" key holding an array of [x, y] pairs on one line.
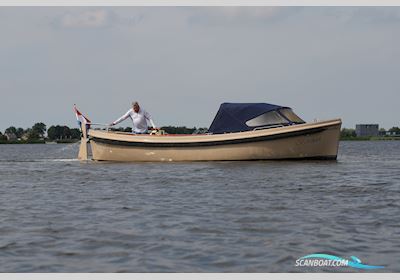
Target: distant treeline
{"points": [[350, 134], [39, 133]]}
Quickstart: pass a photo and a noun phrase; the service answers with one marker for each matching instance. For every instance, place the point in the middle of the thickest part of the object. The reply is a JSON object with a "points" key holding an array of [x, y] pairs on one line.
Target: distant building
{"points": [[382, 132], [392, 133], [25, 136], [10, 136], [367, 130]]}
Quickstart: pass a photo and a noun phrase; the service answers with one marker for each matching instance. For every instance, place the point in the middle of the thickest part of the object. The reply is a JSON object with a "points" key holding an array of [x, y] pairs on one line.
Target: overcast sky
{"points": [[180, 63]]}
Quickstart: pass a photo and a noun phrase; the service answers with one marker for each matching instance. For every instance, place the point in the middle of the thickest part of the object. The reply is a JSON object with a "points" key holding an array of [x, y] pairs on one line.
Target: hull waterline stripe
{"points": [[316, 158], [208, 143]]}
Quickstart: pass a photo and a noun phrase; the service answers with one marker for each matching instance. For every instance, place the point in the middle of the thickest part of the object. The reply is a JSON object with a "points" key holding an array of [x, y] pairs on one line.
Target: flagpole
{"points": [[83, 152]]}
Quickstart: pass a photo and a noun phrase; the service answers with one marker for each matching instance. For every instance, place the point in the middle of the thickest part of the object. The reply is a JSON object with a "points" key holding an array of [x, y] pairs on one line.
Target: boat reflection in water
{"points": [[240, 131]]}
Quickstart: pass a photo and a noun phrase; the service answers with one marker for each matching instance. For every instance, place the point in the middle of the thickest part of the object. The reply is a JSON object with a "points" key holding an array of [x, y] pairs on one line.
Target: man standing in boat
{"points": [[139, 119]]}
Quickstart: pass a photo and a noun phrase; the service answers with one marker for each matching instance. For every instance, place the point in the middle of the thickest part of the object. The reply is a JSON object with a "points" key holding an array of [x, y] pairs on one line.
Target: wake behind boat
{"points": [[240, 131]]}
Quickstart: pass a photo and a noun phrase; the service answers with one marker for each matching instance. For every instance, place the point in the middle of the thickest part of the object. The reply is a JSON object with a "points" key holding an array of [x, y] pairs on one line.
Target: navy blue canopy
{"points": [[232, 117]]}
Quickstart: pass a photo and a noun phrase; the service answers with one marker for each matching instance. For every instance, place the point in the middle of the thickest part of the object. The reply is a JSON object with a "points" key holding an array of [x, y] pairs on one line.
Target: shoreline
{"points": [[22, 142], [78, 140], [372, 138]]}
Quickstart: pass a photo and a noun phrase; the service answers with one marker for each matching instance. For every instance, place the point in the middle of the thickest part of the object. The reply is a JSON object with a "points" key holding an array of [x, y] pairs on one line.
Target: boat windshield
{"points": [[269, 118], [291, 116]]}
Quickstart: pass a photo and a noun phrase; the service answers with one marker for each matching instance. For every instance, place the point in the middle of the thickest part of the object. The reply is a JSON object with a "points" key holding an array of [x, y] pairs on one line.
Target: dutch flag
{"points": [[81, 119]]}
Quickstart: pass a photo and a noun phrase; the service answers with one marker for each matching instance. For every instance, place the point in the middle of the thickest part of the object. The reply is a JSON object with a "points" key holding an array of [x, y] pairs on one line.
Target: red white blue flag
{"points": [[81, 118]]}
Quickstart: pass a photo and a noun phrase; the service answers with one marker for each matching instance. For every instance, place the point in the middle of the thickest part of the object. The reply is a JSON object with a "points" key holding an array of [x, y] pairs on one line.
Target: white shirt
{"points": [[139, 120]]}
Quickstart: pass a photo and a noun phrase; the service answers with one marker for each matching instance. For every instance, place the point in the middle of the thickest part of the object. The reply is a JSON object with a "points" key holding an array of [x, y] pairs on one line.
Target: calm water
{"points": [[60, 215]]}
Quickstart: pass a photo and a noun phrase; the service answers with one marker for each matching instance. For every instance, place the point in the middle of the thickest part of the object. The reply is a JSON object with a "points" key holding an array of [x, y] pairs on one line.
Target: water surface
{"points": [[61, 215]]}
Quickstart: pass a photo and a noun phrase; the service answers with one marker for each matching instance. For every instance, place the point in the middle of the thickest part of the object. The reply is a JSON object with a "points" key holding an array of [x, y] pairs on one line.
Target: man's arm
{"points": [[148, 116], [122, 118]]}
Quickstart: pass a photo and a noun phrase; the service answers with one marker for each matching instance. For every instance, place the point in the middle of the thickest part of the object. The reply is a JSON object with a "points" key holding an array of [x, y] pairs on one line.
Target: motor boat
{"points": [[239, 131]]}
